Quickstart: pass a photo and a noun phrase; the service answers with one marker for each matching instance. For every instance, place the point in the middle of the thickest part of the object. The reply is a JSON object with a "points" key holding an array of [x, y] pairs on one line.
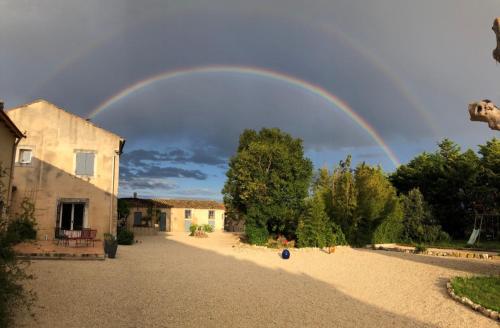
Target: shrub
{"points": [[109, 237], [20, 230], [444, 236], [192, 229], [208, 228], [419, 248], [125, 237], [280, 242], [12, 274], [256, 235], [200, 233], [335, 236]]}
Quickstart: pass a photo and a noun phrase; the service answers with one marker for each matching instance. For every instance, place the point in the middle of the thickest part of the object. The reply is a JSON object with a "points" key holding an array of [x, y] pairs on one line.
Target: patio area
{"points": [[50, 250]]}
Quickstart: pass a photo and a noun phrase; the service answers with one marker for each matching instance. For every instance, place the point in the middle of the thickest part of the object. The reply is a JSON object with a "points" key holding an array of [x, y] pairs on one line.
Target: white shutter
{"points": [[89, 164]]}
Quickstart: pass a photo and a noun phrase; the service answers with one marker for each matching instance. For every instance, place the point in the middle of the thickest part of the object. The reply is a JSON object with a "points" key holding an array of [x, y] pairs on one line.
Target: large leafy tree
{"points": [[448, 180], [267, 181]]}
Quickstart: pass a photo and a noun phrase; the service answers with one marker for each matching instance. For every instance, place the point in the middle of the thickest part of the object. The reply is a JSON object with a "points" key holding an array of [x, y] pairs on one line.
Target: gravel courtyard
{"points": [[178, 281]]}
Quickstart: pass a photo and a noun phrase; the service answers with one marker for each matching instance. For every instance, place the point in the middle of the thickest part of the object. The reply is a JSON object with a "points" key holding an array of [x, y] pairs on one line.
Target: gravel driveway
{"points": [[181, 281]]}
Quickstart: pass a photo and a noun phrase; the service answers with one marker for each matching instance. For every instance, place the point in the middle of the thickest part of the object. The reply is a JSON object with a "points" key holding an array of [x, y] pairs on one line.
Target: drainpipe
{"points": [[112, 195], [11, 177]]}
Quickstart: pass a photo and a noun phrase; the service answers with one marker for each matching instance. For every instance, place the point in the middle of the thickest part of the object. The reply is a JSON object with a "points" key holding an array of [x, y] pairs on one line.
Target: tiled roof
{"points": [[191, 203], [140, 202]]}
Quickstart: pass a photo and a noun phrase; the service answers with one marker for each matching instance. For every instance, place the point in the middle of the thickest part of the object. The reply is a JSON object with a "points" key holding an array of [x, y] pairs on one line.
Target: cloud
{"points": [[134, 183], [139, 157]]}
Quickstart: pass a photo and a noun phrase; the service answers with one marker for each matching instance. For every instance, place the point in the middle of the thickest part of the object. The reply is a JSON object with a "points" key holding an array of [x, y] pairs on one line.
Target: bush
{"points": [[444, 236], [192, 228], [208, 228], [20, 230], [125, 237], [256, 235], [419, 248], [200, 233], [280, 242]]}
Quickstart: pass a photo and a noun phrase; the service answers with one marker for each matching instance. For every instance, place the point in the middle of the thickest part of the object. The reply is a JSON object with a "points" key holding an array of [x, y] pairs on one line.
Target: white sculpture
{"points": [[485, 110], [496, 29]]}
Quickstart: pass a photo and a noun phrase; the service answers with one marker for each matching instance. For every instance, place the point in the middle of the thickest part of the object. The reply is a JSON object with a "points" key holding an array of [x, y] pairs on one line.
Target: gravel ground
{"points": [[181, 281]]}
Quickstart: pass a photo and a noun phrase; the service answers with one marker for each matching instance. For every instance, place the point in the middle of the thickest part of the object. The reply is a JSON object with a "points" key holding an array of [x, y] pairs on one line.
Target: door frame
{"points": [[73, 201]]}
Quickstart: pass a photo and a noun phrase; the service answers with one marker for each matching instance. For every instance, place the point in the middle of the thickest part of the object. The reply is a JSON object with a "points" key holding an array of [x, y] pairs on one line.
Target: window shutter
{"points": [[80, 163], [25, 156], [89, 164]]}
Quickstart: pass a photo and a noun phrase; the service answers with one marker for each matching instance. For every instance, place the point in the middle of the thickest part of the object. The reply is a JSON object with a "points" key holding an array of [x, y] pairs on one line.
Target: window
{"points": [[72, 216], [187, 214], [211, 215], [25, 156], [85, 163]]}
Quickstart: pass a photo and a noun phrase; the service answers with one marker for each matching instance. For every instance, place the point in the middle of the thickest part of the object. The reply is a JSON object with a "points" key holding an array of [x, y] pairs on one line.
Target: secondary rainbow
{"points": [[255, 71]]}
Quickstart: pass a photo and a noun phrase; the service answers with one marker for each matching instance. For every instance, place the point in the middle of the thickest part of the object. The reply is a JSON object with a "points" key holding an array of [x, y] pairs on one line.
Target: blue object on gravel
{"points": [[285, 254]]}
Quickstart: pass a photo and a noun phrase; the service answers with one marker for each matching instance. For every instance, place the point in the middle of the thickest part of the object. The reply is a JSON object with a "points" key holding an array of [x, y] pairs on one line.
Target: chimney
{"points": [[135, 195]]}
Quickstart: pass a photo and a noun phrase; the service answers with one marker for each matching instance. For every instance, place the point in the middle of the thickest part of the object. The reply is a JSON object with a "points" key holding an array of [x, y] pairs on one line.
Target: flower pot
{"points": [[112, 247], [107, 243]]}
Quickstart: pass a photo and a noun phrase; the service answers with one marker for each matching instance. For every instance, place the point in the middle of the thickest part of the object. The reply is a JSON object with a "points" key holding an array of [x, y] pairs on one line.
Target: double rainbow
{"points": [[253, 71]]}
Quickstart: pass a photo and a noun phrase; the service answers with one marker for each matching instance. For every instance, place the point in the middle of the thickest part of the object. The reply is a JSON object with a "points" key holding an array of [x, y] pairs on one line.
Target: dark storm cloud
{"points": [[216, 114], [154, 171], [140, 157], [78, 55]]}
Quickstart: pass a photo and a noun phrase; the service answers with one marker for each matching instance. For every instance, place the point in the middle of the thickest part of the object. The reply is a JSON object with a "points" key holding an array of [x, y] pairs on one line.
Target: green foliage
{"points": [[343, 197], [455, 184], [378, 215], [123, 209], [256, 235], [207, 228], [481, 290], [192, 229], [109, 237], [418, 222], [280, 242], [313, 226], [12, 273], [420, 248], [267, 181], [125, 237], [23, 227]]}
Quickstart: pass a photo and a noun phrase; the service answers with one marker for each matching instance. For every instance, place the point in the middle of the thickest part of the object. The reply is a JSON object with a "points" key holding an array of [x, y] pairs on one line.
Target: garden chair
{"points": [[60, 236], [88, 235]]}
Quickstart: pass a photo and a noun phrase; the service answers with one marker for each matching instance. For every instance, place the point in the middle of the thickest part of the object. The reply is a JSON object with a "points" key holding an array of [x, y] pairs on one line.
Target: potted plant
{"points": [[110, 245]]}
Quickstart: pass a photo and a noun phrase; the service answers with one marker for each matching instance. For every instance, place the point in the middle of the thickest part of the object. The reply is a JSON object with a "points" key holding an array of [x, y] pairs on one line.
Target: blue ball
{"points": [[285, 254]]}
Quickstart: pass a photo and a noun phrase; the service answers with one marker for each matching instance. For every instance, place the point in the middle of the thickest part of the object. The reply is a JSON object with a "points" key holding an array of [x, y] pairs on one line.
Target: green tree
{"points": [[448, 180], [267, 181], [418, 221], [343, 197], [314, 225], [378, 214]]}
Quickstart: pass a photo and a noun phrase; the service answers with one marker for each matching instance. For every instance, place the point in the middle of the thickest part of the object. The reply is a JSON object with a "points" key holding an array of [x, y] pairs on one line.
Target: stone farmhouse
{"points": [[67, 166]]}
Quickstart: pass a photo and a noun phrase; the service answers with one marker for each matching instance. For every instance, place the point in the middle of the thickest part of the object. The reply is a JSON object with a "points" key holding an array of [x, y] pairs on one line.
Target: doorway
{"points": [[72, 215]]}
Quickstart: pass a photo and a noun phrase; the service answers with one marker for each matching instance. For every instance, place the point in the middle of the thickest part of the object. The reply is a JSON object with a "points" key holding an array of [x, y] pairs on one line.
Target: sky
{"points": [[180, 80]]}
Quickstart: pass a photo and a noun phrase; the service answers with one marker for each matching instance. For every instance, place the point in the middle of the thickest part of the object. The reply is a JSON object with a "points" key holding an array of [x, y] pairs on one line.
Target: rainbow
{"points": [[260, 72]]}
